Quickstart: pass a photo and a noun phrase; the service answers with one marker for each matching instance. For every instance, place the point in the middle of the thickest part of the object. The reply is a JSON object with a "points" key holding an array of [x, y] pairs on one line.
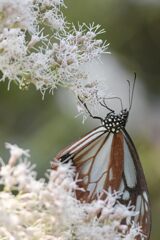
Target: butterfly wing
{"points": [[107, 161], [134, 185], [91, 157]]}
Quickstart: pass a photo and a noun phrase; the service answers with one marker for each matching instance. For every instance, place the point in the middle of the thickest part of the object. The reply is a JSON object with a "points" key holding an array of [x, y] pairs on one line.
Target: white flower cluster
{"points": [[32, 209], [38, 46]]}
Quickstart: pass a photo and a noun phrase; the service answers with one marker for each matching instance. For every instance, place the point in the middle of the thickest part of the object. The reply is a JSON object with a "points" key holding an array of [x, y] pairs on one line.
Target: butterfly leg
{"points": [[90, 114]]}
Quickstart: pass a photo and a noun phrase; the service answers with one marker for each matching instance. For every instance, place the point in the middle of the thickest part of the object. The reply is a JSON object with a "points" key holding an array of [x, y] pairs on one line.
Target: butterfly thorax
{"points": [[115, 122]]}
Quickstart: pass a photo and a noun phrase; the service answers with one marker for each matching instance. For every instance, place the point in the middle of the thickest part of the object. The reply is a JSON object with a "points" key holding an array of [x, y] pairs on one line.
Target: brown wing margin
{"points": [[139, 194]]}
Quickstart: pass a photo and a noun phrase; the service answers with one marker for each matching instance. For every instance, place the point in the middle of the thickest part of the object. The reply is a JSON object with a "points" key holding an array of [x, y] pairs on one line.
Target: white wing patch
{"points": [[122, 187], [102, 160], [126, 195], [145, 196], [129, 168], [141, 208]]}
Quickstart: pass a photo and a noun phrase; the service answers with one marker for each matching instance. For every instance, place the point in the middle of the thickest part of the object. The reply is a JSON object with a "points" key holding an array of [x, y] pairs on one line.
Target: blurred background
{"points": [[46, 126]]}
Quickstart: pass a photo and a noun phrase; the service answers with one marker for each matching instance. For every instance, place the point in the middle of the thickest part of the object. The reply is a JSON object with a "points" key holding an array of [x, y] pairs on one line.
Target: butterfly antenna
{"points": [[131, 92], [90, 114]]}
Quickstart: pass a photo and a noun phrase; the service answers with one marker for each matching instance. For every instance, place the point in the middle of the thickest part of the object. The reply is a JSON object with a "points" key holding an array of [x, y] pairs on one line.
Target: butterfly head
{"points": [[115, 122], [124, 114]]}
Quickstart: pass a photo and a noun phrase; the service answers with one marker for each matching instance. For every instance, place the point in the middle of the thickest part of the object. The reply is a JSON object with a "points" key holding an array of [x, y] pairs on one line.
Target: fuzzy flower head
{"points": [[17, 15], [35, 209], [38, 46], [16, 153]]}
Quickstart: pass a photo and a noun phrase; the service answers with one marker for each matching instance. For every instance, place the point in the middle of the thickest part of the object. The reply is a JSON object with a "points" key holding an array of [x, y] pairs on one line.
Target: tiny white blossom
{"points": [[17, 14], [17, 151]]}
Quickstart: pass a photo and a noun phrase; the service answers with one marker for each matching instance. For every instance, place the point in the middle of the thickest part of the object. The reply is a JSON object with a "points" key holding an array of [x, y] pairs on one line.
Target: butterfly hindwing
{"points": [[135, 184]]}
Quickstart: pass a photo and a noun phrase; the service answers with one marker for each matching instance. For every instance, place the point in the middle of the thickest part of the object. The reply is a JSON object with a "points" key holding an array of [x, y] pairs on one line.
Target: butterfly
{"points": [[106, 159]]}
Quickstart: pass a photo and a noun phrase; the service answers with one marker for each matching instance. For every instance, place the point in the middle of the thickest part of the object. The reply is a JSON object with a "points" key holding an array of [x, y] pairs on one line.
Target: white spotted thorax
{"points": [[115, 122]]}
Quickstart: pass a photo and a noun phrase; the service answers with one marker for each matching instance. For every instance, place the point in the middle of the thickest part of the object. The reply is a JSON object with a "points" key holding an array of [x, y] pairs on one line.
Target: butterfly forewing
{"points": [[108, 161], [93, 165]]}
